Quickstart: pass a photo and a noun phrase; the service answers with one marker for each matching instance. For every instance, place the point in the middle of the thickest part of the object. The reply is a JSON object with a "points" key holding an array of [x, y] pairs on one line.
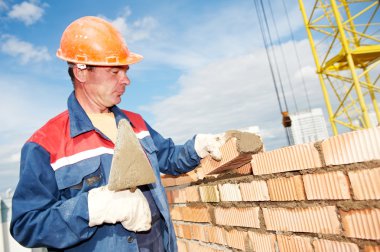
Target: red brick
{"points": [[242, 217], [229, 192], [209, 193], [372, 248], [198, 233], [352, 147], [195, 246], [176, 213], [292, 158], [254, 191], [168, 180], [192, 194], [244, 170], [292, 243], [286, 189], [363, 224], [365, 183], [186, 231], [237, 239], [195, 214], [216, 235], [312, 219], [182, 246], [231, 159], [262, 242], [178, 196], [328, 185], [169, 196], [178, 230], [186, 178], [327, 246]]}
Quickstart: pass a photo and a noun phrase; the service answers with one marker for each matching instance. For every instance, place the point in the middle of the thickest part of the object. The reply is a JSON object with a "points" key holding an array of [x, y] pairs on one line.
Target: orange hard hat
{"points": [[94, 41]]}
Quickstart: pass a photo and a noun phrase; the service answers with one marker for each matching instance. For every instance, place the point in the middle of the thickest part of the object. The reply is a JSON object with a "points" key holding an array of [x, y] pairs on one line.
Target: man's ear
{"points": [[79, 74]]}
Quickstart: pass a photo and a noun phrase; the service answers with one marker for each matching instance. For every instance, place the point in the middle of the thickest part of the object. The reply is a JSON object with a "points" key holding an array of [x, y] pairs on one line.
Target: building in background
{"points": [[308, 127], [373, 119]]}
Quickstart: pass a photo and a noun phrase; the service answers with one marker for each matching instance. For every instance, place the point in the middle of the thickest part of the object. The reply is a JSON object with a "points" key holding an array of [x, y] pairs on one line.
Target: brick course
{"points": [[312, 219]]}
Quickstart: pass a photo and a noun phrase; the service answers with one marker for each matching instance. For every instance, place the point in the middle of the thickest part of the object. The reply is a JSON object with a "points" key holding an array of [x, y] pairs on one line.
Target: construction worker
{"points": [[62, 201]]}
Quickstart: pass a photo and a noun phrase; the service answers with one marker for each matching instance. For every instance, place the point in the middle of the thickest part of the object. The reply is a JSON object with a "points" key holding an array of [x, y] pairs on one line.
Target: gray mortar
{"points": [[246, 142], [318, 146]]}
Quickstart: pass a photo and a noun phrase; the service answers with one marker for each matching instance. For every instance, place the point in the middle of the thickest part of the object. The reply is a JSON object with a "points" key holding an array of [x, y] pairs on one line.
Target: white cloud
{"points": [[24, 51], [29, 104], [221, 33], [228, 94], [27, 12], [12, 158], [307, 72], [3, 5], [138, 30]]}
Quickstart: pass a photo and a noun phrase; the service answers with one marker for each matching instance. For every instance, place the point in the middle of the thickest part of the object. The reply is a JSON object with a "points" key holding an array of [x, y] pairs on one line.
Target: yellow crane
{"points": [[344, 37]]}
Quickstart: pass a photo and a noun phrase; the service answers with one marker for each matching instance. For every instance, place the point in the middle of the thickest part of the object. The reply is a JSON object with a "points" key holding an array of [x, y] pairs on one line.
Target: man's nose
{"points": [[125, 80]]}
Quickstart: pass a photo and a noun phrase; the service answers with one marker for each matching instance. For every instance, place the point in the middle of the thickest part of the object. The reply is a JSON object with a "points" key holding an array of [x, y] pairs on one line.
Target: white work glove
{"points": [[206, 144], [129, 208]]}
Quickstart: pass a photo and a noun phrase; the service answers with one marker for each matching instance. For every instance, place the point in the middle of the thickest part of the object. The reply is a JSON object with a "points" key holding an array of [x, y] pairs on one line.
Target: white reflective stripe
{"points": [[142, 134], [80, 156]]}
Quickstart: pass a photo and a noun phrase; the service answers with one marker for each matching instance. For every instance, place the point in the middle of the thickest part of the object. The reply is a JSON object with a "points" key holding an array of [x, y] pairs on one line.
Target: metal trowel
{"points": [[130, 166]]}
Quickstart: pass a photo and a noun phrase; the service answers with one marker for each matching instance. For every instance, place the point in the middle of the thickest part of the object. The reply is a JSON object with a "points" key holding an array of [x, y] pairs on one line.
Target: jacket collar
{"points": [[79, 121]]}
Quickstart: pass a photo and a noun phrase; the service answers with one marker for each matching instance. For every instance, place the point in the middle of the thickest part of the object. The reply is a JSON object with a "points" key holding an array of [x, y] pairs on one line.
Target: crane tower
{"points": [[344, 36]]}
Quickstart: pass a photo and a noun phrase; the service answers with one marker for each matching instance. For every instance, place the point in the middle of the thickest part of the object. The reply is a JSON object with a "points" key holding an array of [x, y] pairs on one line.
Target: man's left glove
{"points": [[206, 144], [129, 208]]}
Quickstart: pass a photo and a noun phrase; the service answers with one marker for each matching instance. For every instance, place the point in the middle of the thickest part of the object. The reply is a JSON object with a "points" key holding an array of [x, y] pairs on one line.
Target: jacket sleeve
{"points": [[174, 159], [39, 217]]}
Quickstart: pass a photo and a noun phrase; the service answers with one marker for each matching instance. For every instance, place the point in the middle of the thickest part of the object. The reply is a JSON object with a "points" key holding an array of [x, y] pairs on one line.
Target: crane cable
{"points": [[283, 56], [286, 118], [274, 55], [300, 67], [297, 56]]}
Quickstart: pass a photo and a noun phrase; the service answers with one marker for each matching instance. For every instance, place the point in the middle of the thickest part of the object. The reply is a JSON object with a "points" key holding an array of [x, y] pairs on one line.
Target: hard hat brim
{"points": [[131, 59]]}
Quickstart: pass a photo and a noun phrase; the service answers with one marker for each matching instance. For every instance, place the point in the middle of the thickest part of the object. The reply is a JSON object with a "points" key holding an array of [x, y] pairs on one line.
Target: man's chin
{"points": [[117, 101]]}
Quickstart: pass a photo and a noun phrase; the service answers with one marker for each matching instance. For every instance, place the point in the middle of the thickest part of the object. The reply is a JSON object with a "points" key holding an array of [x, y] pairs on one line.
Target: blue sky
{"points": [[204, 69]]}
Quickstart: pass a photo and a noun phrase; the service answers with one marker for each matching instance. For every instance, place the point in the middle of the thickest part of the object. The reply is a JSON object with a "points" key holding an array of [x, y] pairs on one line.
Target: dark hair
{"points": [[70, 70]]}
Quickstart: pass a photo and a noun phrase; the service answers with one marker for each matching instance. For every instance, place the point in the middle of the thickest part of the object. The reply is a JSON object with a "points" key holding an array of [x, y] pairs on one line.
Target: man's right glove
{"points": [[209, 144], [129, 208]]}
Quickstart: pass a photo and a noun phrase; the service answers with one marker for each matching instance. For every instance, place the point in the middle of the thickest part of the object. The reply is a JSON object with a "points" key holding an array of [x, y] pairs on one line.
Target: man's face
{"points": [[105, 85]]}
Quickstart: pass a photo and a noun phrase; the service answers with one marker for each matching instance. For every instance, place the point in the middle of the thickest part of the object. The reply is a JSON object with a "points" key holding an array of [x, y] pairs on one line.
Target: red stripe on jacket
{"points": [[55, 137]]}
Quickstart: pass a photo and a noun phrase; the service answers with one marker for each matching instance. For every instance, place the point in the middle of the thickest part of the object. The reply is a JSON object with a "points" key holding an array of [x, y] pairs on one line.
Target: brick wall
{"points": [[318, 197]]}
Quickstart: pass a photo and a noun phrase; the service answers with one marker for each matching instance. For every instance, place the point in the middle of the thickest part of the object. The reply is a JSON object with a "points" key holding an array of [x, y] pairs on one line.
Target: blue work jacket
{"points": [[65, 159]]}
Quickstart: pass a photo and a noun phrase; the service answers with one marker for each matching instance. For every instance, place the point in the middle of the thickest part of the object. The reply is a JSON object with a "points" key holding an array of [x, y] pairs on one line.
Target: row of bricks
{"points": [[198, 174], [257, 241], [318, 186], [189, 246], [347, 148], [362, 224]]}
